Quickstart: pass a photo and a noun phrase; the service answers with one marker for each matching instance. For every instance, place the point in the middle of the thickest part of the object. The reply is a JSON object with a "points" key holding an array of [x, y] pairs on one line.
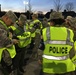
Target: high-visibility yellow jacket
{"points": [[58, 43], [11, 51], [17, 30], [24, 39], [4, 24], [32, 25]]}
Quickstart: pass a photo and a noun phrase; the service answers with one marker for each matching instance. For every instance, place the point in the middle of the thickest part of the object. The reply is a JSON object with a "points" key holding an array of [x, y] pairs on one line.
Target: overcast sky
{"points": [[37, 5]]}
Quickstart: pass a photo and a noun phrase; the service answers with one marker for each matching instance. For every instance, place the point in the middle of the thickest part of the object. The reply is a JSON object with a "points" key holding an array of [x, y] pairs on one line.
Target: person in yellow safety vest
{"points": [[24, 39], [58, 43], [18, 27], [33, 67], [7, 49], [35, 24], [23, 45], [71, 23]]}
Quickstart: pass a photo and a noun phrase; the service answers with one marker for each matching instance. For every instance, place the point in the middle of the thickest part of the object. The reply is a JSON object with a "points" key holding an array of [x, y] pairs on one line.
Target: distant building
{"points": [[68, 13]]}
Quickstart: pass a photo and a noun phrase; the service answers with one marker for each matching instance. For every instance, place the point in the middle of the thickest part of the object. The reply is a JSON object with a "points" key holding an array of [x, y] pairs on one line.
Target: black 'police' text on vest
{"points": [[62, 50]]}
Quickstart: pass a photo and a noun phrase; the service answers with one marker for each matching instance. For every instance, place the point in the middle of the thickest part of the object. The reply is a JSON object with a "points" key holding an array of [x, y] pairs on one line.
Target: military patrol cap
{"points": [[69, 17], [45, 19], [22, 18], [72, 21], [12, 16], [56, 15], [35, 15]]}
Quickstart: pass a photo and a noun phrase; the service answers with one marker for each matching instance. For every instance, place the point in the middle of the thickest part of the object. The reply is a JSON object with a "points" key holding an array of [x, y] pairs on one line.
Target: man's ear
{"points": [[6, 17]]}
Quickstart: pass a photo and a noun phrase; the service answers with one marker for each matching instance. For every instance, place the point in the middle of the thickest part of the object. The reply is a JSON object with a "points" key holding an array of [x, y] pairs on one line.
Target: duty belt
{"points": [[56, 57]]}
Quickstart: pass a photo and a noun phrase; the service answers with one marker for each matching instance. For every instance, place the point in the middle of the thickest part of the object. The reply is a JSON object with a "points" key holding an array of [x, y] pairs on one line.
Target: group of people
{"points": [[19, 41], [37, 47]]}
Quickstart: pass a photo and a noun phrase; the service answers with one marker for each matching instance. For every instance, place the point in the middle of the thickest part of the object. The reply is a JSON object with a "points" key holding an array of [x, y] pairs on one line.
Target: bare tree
{"points": [[29, 6], [69, 6], [57, 5]]}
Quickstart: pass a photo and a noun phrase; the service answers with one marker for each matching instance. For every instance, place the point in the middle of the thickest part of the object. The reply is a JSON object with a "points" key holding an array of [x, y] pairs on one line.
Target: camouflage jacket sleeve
{"points": [[4, 39], [73, 53], [37, 40]]}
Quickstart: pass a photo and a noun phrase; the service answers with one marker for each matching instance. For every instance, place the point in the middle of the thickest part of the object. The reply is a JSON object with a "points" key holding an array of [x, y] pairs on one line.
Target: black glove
{"points": [[37, 25]]}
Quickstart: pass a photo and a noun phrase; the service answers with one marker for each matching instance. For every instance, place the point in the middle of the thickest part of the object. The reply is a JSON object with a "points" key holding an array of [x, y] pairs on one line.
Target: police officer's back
{"points": [[58, 41]]}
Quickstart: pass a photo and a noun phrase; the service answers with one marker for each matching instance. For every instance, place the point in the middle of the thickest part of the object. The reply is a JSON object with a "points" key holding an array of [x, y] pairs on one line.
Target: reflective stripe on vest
{"points": [[56, 57], [67, 41], [59, 42]]}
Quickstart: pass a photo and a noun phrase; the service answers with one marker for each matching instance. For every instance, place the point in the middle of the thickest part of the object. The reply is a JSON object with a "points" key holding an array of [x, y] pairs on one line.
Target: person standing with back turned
{"points": [[58, 41]]}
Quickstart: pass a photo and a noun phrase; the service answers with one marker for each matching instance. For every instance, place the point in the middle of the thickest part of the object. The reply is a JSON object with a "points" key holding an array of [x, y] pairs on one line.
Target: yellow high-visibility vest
{"points": [[24, 39], [58, 43], [11, 51]]}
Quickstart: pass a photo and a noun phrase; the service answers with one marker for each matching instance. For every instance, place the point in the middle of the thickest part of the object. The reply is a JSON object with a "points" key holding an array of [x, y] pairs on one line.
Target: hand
{"points": [[15, 41], [39, 61], [10, 35]]}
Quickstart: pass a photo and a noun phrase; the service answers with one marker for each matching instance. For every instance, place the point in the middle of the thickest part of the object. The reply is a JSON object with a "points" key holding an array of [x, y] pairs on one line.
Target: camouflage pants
{"points": [[18, 61]]}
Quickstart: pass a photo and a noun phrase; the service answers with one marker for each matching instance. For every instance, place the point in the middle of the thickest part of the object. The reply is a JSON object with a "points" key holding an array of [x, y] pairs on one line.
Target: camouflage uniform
{"points": [[5, 41], [72, 23], [33, 67], [18, 61], [45, 22]]}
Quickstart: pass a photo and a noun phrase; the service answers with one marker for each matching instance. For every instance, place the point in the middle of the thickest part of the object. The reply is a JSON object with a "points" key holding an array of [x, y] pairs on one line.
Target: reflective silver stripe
{"points": [[48, 33], [58, 42], [56, 58], [68, 35]]}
